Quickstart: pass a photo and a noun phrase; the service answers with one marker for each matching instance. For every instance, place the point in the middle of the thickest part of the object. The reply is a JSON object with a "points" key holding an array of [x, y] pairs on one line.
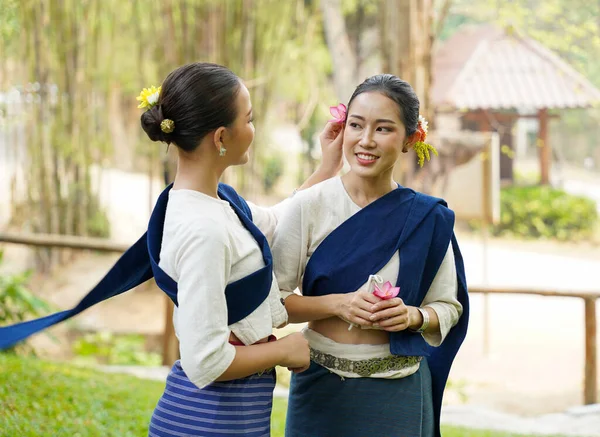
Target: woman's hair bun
{"points": [[151, 120]]}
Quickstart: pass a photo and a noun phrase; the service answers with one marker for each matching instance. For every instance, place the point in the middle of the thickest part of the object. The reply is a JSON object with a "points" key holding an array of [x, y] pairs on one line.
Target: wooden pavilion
{"points": [[491, 77]]}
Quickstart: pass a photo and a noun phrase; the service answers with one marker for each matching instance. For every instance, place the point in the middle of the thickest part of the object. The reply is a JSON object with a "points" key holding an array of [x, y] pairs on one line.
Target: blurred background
{"points": [[512, 93]]}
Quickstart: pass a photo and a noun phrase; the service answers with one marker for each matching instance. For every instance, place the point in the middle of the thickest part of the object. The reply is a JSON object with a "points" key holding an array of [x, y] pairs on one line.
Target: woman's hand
{"points": [[356, 307], [296, 352], [331, 140], [393, 315]]}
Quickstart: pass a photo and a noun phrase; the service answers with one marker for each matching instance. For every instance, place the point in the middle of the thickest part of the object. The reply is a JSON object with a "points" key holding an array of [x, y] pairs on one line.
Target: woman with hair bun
{"points": [[208, 249], [381, 278]]}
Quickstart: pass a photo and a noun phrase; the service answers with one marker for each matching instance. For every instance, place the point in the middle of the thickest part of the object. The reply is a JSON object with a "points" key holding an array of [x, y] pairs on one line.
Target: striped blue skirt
{"points": [[239, 407], [321, 404]]}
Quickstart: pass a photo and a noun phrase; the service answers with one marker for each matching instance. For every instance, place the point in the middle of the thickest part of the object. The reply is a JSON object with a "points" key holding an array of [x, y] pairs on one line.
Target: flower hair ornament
{"points": [[338, 113], [421, 147], [148, 99]]}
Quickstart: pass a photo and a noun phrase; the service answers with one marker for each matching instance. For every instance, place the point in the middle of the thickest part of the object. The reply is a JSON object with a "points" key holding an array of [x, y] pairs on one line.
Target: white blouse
{"points": [[312, 214], [204, 248]]}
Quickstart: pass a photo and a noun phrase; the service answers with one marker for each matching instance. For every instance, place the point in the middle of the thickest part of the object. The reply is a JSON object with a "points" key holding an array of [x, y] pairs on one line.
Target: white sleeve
{"points": [[290, 247], [442, 297], [266, 218], [203, 266]]}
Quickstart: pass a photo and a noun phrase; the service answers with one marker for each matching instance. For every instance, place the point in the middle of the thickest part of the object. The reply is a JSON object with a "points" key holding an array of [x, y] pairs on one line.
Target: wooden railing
{"points": [[64, 242], [590, 385], [590, 391]]}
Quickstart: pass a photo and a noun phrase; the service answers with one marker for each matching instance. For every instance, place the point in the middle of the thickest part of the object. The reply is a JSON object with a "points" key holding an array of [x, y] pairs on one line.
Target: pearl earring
{"points": [[222, 151]]}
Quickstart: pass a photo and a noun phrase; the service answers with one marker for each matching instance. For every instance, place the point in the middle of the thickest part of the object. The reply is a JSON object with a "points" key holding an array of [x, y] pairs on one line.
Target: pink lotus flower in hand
{"points": [[338, 112], [387, 291]]}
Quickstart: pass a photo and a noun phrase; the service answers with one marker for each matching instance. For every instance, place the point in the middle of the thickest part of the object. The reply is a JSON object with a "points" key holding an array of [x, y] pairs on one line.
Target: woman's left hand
{"points": [[391, 315], [331, 140]]}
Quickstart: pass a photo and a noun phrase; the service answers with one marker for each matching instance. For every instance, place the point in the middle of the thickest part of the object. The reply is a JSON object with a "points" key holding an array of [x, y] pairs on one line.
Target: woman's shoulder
{"points": [[432, 209], [320, 193], [438, 204], [191, 217]]}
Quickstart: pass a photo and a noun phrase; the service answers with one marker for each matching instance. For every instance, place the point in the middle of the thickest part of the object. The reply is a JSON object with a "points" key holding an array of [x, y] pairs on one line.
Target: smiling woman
{"points": [[340, 237], [372, 135]]}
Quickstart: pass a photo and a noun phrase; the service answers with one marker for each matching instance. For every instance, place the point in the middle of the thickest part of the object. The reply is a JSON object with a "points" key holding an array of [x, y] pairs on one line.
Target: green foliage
{"points": [[9, 20], [17, 303], [39, 398], [106, 348], [98, 224], [272, 171], [545, 212]]}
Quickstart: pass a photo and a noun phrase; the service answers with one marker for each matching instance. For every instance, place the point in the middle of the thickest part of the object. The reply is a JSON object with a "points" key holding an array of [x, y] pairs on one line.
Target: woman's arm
{"points": [[440, 302], [203, 266], [442, 299], [266, 218], [291, 351], [290, 256], [351, 307]]}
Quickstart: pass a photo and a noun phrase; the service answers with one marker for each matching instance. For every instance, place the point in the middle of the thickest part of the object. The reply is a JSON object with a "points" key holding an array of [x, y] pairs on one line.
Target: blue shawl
{"points": [[140, 263], [420, 227]]}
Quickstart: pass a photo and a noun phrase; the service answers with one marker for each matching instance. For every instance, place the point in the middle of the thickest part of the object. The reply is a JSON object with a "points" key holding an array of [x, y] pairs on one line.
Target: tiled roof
{"points": [[488, 68]]}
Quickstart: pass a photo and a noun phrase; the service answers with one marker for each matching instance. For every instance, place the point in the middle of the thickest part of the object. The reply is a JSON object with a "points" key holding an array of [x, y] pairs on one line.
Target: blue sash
{"points": [[420, 227], [140, 263]]}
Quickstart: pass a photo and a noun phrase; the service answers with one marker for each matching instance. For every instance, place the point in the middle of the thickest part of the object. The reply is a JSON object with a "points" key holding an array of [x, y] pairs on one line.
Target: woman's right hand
{"points": [[296, 352], [355, 308], [331, 139]]}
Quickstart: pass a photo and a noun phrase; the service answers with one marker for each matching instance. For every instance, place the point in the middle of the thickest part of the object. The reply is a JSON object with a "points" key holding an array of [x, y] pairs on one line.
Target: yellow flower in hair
{"points": [[148, 97], [422, 149]]}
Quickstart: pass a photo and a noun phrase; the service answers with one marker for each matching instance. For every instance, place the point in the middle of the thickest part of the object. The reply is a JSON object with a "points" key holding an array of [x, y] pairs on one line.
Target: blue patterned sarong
{"points": [[240, 407], [322, 404]]}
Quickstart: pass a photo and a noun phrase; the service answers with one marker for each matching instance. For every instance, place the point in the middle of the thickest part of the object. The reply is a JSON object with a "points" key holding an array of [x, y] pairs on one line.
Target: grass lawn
{"points": [[39, 398]]}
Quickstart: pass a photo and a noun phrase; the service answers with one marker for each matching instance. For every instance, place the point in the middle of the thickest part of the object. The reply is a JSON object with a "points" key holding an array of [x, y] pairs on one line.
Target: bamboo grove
{"points": [[71, 69]]}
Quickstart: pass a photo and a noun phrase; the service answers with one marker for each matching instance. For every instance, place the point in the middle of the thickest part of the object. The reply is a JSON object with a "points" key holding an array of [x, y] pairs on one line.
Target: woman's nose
{"points": [[366, 140]]}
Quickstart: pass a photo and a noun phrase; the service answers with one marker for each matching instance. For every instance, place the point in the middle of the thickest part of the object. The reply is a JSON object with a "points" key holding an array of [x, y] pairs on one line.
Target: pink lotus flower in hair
{"points": [[339, 113], [387, 291]]}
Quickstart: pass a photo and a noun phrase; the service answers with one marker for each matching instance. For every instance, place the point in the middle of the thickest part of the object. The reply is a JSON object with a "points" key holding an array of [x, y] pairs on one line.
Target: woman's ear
{"points": [[218, 138], [410, 141]]}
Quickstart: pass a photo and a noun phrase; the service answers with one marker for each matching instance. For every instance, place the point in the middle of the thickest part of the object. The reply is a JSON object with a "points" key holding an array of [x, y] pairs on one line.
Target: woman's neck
{"points": [[198, 173], [364, 190]]}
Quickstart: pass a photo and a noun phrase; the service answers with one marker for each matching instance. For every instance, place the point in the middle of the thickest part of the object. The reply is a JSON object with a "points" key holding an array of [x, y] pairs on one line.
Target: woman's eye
{"points": [[384, 129], [354, 125]]}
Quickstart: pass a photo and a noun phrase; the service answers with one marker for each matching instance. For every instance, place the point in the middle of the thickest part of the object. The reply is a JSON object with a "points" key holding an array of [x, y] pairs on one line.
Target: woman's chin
{"points": [[243, 159], [365, 170]]}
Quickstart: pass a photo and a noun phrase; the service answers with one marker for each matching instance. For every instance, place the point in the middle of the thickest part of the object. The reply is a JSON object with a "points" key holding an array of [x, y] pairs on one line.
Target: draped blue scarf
{"points": [[140, 263], [420, 228]]}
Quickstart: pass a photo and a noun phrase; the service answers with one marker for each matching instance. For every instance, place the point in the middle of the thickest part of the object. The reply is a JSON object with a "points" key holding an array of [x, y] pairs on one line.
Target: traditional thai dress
{"points": [[214, 262], [325, 243]]}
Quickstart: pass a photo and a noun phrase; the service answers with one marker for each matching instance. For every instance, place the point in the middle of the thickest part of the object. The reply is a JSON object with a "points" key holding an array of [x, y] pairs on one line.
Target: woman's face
{"points": [[374, 135], [240, 134]]}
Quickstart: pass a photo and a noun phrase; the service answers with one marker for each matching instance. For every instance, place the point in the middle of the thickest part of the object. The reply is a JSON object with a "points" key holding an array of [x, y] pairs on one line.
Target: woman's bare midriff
{"points": [[233, 339], [336, 329]]}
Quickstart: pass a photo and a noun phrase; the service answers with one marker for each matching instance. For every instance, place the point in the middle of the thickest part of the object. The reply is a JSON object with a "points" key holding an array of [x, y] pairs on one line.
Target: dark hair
{"points": [[199, 98], [397, 90]]}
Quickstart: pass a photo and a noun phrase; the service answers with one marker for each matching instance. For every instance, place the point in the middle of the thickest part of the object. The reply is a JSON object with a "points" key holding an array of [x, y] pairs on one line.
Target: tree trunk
{"points": [[342, 55], [406, 40]]}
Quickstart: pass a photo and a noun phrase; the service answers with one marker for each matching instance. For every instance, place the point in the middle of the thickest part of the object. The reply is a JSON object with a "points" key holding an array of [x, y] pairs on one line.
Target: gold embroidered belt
{"points": [[366, 367]]}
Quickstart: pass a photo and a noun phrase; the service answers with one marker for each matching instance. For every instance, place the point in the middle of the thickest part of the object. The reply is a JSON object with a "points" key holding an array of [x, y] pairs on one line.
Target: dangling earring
{"points": [[222, 151]]}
